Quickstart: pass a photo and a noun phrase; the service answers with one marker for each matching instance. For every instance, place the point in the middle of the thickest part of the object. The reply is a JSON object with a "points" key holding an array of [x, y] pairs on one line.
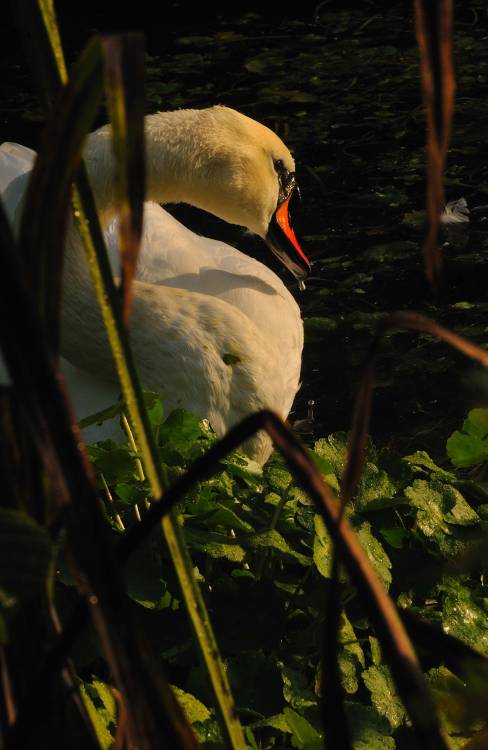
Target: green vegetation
{"points": [[263, 558]]}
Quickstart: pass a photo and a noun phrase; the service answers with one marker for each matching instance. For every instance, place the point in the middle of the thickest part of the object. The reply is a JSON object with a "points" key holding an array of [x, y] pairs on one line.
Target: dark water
{"points": [[340, 84]]}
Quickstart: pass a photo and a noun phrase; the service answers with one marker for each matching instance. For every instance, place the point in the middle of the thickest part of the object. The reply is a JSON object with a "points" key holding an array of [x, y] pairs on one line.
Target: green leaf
{"points": [[220, 515], [273, 540], [349, 641], [423, 460], [215, 545], [469, 446], [115, 462], [296, 690], [102, 416], [25, 554], [304, 736], [384, 697], [376, 654], [193, 709], [375, 552], [369, 730], [277, 476], [334, 450], [325, 468], [453, 699], [395, 537], [465, 615], [323, 547], [100, 705], [275, 722], [181, 430], [132, 493], [348, 668], [375, 489], [154, 407], [440, 506]]}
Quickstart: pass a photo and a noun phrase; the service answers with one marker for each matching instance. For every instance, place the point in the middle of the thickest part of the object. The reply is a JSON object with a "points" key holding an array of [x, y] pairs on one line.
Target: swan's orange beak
{"points": [[282, 241]]}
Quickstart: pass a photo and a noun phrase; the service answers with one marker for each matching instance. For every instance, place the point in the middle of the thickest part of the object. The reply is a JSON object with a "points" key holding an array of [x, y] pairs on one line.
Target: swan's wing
{"points": [[174, 256], [16, 164], [168, 248]]}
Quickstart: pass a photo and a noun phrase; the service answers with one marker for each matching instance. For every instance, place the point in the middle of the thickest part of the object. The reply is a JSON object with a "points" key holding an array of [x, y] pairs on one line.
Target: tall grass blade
{"points": [[128, 654], [152, 709], [43, 225], [124, 84], [433, 20], [38, 30]]}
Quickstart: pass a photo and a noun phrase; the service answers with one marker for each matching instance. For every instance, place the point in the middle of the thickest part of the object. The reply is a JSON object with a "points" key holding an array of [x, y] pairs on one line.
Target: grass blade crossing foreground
{"points": [[153, 711], [42, 232], [124, 85], [92, 237]]}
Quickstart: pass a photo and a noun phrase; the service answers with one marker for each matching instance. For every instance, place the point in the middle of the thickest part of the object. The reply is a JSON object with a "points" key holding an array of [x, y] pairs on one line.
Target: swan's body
{"points": [[212, 330]]}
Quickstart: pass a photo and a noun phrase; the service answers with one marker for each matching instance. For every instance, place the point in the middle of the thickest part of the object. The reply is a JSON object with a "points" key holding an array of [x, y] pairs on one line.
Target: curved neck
{"points": [[176, 148]]}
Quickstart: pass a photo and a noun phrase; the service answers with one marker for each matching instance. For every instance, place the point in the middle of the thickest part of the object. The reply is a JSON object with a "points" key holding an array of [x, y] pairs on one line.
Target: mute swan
{"points": [[213, 330]]}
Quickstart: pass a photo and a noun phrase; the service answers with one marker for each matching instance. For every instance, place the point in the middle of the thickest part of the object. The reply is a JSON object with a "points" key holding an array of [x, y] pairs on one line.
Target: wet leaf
{"points": [[193, 709], [380, 684], [375, 552], [465, 616], [334, 450]]}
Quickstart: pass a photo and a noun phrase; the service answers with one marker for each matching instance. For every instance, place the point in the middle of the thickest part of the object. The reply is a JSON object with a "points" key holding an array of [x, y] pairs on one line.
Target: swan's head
{"points": [[239, 170]]}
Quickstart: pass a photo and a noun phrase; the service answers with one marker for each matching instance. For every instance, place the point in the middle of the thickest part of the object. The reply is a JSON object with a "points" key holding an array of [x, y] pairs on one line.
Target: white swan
{"points": [[212, 330]]}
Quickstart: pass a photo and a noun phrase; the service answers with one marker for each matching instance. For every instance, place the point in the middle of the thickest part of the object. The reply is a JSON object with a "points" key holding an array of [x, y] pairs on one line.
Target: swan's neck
{"points": [[171, 157], [177, 151]]}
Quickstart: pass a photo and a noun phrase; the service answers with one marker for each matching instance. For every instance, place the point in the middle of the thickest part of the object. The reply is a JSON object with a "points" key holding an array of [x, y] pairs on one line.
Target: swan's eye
{"points": [[286, 180]]}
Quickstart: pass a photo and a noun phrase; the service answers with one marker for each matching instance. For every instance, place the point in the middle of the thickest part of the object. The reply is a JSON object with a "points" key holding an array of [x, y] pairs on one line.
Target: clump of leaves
{"points": [[263, 556]]}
